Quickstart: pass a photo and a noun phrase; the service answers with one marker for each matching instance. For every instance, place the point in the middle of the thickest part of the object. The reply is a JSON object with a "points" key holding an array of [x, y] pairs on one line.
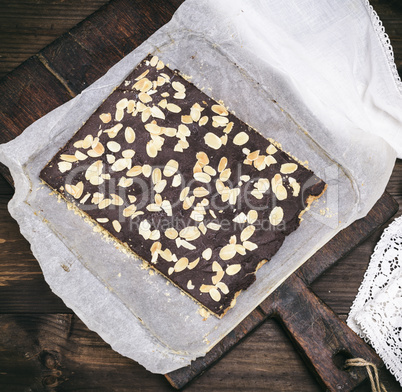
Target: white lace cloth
{"points": [[376, 314]]}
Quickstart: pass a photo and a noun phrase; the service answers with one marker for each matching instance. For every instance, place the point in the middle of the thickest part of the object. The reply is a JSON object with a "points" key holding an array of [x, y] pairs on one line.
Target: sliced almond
{"points": [[157, 113], [213, 141], [153, 128], [80, 155], [190, 285], [200, 192], [144, 97], [102, 220], [190, 233], [252, 216], [203, 121], [151, 149], [195, 114], [113, 146], [146, 170], [295, 186], [119, 114], [215, 294], [247, 233], [207, 253], [116, 200], [222, 121], [257, 194], [122, 104], [259, 163], [94, 170], [209, 170], [188, 202], [227, 252], [97, 198], [276, 180], [276, 216], [143, 85], [218, 277], [233, 193], [241, 138], [112, 132], [155, 235], [176, 180], [181, 264], [128, 154], [250, 245], [228, 128], [202, 177], [186, 119], [87, 142], [116, 225], [241, 218], [154, 61], [193, 264], [171, 132], [78, 144], [223, 287], [205, 288], [219, 109], [145, 73], [178, 86], [130, 106], [222, 164], [270, 160], [104, 203], [160, 65], [184, 193], [64, 166], [233, 269], [225, 174], [134, 171], [173, 108], [281, 192], [202, 158], [171, 233], [68, 158], [179, 95], [110, 159], [202, 228], [167, 207], [105, 117], [288, 168], [160, 186], [271, 149], [128, 211], [132, 198], [119, 165], [170, 168]]}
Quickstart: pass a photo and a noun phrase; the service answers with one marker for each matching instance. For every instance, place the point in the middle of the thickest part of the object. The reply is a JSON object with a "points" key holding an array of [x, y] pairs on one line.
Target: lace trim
{"points": [[376, 313], [386, 44]]}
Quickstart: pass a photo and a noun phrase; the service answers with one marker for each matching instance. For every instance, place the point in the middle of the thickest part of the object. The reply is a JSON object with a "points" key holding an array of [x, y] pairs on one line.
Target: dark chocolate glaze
{"points": [[268, 238]]}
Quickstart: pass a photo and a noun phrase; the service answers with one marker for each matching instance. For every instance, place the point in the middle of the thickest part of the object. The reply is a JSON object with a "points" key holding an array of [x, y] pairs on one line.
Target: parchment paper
{"points": [[138, 312]]}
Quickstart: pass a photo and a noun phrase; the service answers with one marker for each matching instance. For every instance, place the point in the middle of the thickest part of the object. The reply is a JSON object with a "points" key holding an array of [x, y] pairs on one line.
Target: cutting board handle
{"points": [[322, 338]]}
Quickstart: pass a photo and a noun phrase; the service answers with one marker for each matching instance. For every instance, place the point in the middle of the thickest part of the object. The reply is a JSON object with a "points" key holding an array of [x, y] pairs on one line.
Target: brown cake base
{"points": [[184, 184]]}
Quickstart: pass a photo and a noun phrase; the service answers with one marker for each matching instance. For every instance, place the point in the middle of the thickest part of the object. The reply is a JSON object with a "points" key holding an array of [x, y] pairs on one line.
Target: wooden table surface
{"points": [[45, 347]]}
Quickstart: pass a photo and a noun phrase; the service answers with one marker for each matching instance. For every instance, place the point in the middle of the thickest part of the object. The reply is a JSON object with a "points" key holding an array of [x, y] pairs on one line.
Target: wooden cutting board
{"points": [[76, 60]]}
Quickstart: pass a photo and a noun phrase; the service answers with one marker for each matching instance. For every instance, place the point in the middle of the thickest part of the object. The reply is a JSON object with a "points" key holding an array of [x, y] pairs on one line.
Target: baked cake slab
{"points": [[184, 184]]}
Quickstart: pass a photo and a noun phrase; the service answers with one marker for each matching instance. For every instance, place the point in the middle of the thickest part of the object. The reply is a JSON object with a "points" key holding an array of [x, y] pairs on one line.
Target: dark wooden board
{"points": [[66, 73]]}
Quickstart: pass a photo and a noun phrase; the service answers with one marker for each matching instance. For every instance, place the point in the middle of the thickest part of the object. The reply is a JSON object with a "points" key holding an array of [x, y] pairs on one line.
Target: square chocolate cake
{"points": [[184, 184]]}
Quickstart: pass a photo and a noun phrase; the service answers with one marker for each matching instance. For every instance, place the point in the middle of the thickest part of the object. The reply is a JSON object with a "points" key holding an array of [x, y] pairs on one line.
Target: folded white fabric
{"points": [[376, 314]]}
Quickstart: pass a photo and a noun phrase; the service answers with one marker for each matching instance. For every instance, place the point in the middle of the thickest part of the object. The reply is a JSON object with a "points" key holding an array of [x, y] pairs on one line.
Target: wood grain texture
{"points": [[83, 360]]}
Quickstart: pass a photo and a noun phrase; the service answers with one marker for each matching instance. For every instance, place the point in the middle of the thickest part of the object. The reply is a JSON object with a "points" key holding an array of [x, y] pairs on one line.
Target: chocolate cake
{"points": [[184, 184]]}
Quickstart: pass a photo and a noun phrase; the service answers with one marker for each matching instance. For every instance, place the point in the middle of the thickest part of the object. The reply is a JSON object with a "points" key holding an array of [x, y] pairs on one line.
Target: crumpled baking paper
{"points": [[313, 77]]}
